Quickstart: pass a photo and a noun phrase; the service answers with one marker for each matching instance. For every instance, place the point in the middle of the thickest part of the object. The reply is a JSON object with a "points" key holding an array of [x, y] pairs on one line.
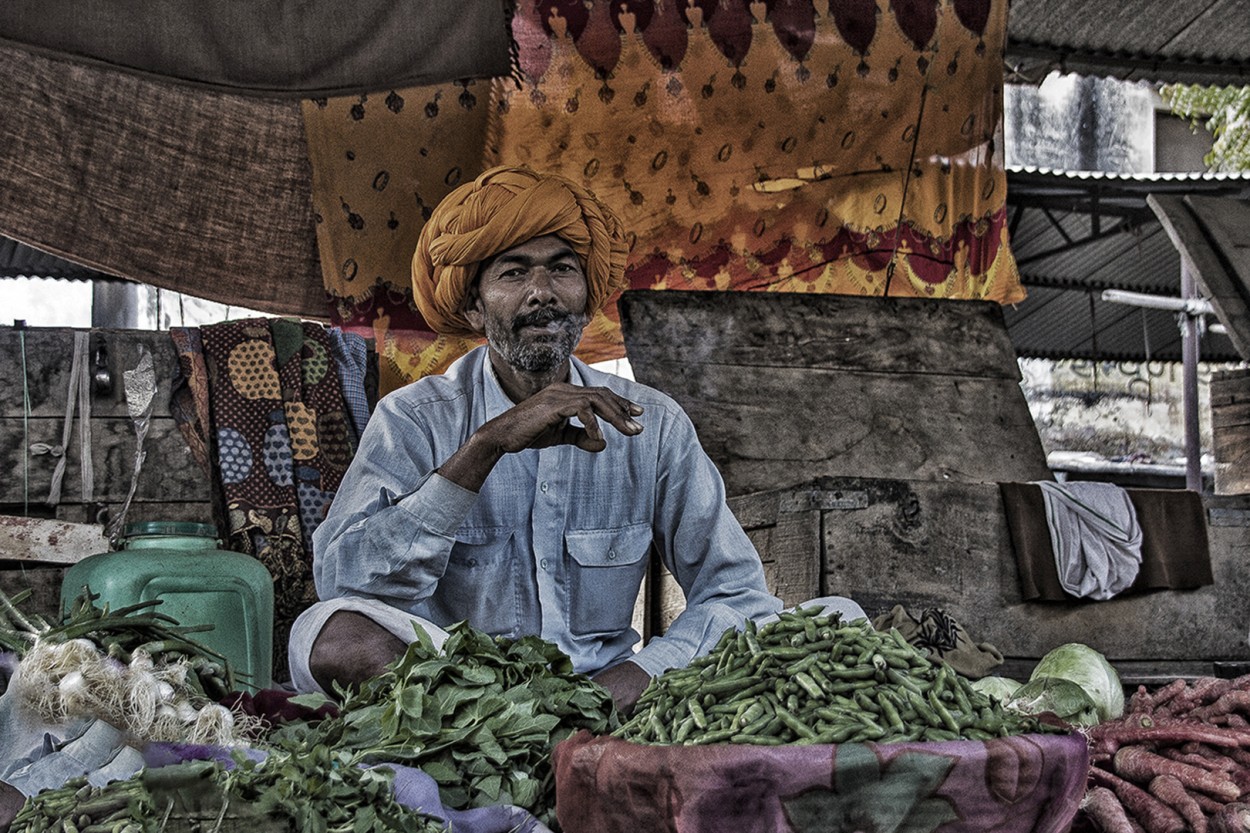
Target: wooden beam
{"points": [[1196, 235], [49, 541]]}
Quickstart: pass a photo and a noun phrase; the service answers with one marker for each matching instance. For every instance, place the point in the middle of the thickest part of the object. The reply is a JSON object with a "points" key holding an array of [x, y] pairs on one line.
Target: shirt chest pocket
{"points": [[606, 569], [480, 582]]}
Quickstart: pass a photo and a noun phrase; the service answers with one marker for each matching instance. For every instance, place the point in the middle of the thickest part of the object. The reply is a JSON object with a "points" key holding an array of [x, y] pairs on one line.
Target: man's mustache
{"points": [[540, 318]]}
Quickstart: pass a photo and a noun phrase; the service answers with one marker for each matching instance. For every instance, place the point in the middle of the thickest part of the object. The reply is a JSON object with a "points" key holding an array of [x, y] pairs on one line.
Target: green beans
{"points": [[78, 806], [809, 678]]}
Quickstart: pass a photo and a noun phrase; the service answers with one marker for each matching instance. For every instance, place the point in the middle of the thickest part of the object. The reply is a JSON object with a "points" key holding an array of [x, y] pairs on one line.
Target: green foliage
{"points": [[480, 718], [1225, 111]]}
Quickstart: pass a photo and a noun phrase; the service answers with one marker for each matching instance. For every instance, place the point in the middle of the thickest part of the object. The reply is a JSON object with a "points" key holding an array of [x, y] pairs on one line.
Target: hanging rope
{"points": [[902, 204], [21, 333], [1150, 385], [79, 394]]}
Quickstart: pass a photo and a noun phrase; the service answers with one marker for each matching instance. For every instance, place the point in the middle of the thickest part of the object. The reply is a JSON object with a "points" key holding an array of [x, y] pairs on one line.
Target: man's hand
{"points": [[542, 421], [625, 682]]}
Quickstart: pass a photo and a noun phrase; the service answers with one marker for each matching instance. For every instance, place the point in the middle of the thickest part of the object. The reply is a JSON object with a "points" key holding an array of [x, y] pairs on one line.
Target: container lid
{"points": [[185, 528]]}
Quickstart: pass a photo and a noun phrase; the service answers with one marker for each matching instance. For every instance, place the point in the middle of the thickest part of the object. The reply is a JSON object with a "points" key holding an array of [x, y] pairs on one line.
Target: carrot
{"points": [[1153, 815], [1105, 811], [1241, 756], [1236, 700], [1232, 818], [1138, 764], [1203, 690], [1206, 758], [1165, 695], [1142, 702], [1209, 805], [1169, 790], [1113, 737]]}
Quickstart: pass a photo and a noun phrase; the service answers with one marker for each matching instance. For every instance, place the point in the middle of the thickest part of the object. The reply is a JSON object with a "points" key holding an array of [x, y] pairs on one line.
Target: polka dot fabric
{"points": [[273, 391]]}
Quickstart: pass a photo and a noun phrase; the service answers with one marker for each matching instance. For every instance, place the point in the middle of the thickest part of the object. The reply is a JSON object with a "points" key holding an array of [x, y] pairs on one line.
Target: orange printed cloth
{"points": [[792, 146]]}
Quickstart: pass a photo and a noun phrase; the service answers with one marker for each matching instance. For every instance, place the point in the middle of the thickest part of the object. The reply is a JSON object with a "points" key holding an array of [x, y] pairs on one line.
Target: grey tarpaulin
{"points": [[272, 47]]}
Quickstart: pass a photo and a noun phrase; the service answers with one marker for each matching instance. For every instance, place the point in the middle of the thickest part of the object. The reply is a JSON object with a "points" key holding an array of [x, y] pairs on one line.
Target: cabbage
{"points": [[1000, 688], [1090, 670], [1067, 700]]}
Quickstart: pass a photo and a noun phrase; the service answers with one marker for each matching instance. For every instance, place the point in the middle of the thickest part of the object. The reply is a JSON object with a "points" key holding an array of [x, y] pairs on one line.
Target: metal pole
{"points": [[1189, 383]]}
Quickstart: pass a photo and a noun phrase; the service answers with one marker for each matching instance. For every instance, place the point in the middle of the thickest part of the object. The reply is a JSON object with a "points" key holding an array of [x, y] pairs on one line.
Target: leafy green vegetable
{"points": [[1001, 689], [1067, 700], [481, 718], [1090, 670], [322, 789]]}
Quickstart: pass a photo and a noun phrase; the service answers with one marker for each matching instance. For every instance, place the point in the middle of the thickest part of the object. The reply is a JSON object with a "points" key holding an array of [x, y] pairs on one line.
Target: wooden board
{"points": [[1230, 431], [169, 471], [49, 540], [784, 388], [947, 545], [835, 332], [921, 544], [776, 426], [44, 582], [49, 354]]}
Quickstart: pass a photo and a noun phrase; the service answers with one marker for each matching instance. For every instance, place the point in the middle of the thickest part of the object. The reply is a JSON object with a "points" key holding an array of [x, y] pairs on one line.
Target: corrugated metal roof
{"points": [[1075, 234], [1204, 41]]}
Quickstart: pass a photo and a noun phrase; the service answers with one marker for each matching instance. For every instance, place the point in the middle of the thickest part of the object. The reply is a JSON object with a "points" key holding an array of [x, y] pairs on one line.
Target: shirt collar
{"points": [[497, 401]]}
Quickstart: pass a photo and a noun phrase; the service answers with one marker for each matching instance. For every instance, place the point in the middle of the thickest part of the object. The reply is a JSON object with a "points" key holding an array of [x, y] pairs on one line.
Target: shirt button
{"points": [[611, 555], [544, 563], [543, 486]]}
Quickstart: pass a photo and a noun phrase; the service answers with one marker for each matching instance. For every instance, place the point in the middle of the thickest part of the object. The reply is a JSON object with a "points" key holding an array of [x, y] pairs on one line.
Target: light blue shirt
{"points": [[557, 541]]}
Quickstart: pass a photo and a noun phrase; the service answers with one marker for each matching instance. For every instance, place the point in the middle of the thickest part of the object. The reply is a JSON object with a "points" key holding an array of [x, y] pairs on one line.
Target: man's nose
{"points": [[541, 287]]}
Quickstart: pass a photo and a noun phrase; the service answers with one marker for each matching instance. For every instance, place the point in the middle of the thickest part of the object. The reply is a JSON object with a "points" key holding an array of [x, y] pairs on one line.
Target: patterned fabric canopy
{"points": [[844, 146]]}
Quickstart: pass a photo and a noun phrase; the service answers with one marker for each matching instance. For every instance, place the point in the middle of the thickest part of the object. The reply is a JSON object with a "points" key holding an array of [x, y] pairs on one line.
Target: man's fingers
{"points": [[576, 435], [587, 416]]}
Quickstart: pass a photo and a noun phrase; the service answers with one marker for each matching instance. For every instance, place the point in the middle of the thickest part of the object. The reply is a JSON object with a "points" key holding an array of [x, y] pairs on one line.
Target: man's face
{"points": [[531, 304]]}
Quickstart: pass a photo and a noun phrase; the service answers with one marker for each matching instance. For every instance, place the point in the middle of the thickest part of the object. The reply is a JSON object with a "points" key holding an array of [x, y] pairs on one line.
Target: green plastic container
{"points": [[198, 584]]}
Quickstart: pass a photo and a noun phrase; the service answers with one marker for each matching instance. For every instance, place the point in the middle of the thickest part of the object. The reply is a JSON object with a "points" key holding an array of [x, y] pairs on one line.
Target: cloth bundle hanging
{"points": [[261, 403], [1095, 536], [1174, 545]]}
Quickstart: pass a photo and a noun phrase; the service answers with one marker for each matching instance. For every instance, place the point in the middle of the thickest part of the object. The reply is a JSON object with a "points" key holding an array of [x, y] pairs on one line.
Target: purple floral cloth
{"points": [[1021, 784]]}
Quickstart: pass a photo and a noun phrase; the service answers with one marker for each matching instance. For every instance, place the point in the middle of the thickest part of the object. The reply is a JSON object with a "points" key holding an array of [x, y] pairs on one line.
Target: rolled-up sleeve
{"points": [[392, 523]]}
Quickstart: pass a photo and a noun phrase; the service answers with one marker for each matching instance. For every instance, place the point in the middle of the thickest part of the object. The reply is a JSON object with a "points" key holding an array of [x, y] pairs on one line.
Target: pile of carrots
{"points": [[1178, 760]]}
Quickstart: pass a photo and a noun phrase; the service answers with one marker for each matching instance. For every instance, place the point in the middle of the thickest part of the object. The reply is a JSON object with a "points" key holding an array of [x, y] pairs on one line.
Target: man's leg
{"points": [[350, 640], [350, 649]]}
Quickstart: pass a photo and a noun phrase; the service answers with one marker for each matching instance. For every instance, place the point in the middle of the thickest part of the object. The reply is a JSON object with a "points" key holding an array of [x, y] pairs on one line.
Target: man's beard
{"points": [[536, 353]]}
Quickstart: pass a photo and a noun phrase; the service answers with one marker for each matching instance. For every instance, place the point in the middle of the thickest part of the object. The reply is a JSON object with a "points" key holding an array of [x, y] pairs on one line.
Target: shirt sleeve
{"points": [[705, 549], [393, 521]]}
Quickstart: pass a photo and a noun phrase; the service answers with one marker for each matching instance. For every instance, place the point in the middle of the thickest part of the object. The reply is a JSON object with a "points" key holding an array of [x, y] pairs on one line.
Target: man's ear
{"points": [[472, 309]]}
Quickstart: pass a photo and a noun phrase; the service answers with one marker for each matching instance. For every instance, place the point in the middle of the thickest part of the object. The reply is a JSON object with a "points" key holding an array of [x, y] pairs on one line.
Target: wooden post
{"points": [[1189, 382]]}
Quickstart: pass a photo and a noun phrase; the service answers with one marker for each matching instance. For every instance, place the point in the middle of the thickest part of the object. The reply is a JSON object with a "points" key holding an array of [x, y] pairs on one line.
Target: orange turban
{"points": [[502, 208]]}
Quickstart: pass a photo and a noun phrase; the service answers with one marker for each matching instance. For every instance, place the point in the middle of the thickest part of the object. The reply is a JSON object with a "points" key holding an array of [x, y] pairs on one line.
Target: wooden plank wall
{"points": [[1230, 431], [923, 544], [170, 486], [783, 388]]}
